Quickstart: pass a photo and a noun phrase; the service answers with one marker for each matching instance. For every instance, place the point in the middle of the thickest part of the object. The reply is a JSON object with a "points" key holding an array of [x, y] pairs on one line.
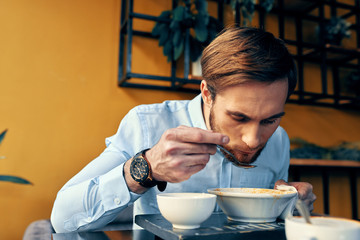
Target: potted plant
{"points": [[246, 8], [189, 16], [335, 30], [9, 178]]}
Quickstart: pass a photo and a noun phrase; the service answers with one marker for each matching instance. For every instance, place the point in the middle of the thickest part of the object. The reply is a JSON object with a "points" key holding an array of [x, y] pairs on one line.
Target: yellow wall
{"points": [[59, 97]]}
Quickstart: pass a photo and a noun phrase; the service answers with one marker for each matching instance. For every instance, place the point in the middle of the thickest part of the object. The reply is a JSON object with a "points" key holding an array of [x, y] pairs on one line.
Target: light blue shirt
{"points": [[98, 193]]}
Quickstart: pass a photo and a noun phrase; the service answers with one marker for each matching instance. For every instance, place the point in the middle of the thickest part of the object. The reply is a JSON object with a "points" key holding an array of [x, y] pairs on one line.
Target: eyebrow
{"points": [[239, 114], [278, 115]]}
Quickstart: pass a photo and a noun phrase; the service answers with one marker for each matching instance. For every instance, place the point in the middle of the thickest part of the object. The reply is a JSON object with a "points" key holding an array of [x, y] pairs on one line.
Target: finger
{"points": [[196, 148], [304, 189], [305, 193], [195, 135], [281, 182], [184, 173], [194, 159], [310, 200], [309, 203], [195, 168]]}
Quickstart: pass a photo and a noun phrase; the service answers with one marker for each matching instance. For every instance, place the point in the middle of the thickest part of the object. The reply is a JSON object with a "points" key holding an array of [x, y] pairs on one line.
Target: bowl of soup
{"points": [[255, 204]]}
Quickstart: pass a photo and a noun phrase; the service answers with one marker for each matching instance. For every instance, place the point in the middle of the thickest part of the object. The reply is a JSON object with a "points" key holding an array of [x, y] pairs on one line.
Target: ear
{"points": [[205, 93]]}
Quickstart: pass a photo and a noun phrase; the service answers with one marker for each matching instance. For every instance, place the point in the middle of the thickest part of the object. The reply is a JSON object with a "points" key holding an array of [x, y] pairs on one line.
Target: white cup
{"points": [[322, 228]]}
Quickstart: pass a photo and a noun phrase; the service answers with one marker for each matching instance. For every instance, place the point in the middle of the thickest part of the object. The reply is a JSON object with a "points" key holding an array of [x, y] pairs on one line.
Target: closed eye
{"points": [[241, 119], [269, 121]]}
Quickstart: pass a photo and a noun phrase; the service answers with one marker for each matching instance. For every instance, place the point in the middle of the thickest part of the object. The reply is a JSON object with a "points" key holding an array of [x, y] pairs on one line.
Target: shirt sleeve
{"points": [[98, 193]]}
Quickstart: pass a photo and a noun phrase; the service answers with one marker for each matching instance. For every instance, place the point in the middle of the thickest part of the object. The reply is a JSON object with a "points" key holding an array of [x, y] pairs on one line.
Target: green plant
{"points": [[247, 8], [8, 178], [335, 30], [188, 16], [343, 151]]}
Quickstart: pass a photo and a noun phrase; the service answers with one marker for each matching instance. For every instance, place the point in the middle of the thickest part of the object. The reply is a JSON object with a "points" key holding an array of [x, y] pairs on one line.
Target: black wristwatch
{"points": [[140, 171]]}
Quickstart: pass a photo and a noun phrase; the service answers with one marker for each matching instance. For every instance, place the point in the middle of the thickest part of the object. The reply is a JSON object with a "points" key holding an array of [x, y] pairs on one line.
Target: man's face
{"points": [[249, 114]]}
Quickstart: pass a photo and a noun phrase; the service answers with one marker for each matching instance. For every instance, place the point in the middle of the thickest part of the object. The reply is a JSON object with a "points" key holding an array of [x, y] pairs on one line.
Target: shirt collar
{"points": [[196, 114]]}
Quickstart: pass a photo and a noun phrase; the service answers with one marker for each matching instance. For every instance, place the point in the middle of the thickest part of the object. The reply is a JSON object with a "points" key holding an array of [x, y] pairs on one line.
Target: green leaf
{"points": [[177, 37], [156, 30], [168, 47], [201, 6], [201, 32], [14, 179], [247, 16], [201, 22], [2, 135], [202, 19], [164, 35], [175, 26], [178, 50], [178, 13], [267, 5], [165, 15], [188, 16], [233, 4]]}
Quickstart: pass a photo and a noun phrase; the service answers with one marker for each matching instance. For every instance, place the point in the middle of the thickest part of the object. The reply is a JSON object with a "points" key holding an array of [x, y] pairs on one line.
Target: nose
{"points": [[251, 136]]}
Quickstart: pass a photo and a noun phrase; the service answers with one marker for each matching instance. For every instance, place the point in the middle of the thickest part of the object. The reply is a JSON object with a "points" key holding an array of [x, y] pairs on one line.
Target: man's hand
{"points": [[305, 191], [182, 152]]}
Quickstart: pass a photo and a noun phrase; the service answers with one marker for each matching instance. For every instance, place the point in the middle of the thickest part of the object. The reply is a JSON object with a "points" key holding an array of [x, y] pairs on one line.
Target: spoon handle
{"points": [[304, 210]]}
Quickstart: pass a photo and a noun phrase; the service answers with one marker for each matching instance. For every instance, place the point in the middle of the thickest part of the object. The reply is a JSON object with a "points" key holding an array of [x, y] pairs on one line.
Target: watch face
{"points": [[139, 169]]}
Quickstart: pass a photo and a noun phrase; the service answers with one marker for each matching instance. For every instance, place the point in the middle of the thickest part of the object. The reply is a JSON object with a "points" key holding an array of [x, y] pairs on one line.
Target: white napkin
{"points": [[289, 209]]}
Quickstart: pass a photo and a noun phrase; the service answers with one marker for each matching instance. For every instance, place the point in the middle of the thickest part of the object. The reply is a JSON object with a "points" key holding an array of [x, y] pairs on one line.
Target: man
{"points": [[248, 76]]}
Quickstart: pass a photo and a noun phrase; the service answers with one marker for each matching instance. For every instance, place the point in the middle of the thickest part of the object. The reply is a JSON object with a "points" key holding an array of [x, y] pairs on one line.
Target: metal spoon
{"points": [[303, 210], [229, 156]]}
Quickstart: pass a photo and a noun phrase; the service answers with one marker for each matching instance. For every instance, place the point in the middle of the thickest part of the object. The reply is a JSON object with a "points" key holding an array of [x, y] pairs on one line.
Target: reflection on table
{"points": [[216, 227], [107, 235]]}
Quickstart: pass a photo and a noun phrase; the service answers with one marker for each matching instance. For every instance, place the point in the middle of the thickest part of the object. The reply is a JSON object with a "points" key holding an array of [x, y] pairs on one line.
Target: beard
{"points": [[240, 156]]}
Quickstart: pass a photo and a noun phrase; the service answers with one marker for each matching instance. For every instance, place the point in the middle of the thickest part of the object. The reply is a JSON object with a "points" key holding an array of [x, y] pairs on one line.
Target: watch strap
{"points": [[150, 182]]}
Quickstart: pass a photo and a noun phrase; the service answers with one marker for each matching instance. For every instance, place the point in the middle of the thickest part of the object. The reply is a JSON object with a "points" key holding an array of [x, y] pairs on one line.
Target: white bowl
{"points": [[322, 228], [255, 204], [186, 210]]}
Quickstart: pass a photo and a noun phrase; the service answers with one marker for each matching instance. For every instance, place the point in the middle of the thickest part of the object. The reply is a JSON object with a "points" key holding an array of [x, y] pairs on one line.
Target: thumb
{"points": [[280, 182]]}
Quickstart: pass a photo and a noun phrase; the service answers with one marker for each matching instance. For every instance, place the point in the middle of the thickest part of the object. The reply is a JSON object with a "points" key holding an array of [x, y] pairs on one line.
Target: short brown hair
{"points": [[241, 54]]}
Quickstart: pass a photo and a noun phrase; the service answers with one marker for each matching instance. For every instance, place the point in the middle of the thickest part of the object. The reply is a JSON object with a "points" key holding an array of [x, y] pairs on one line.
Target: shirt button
{"points": [[89, 219], [117, 201]]}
